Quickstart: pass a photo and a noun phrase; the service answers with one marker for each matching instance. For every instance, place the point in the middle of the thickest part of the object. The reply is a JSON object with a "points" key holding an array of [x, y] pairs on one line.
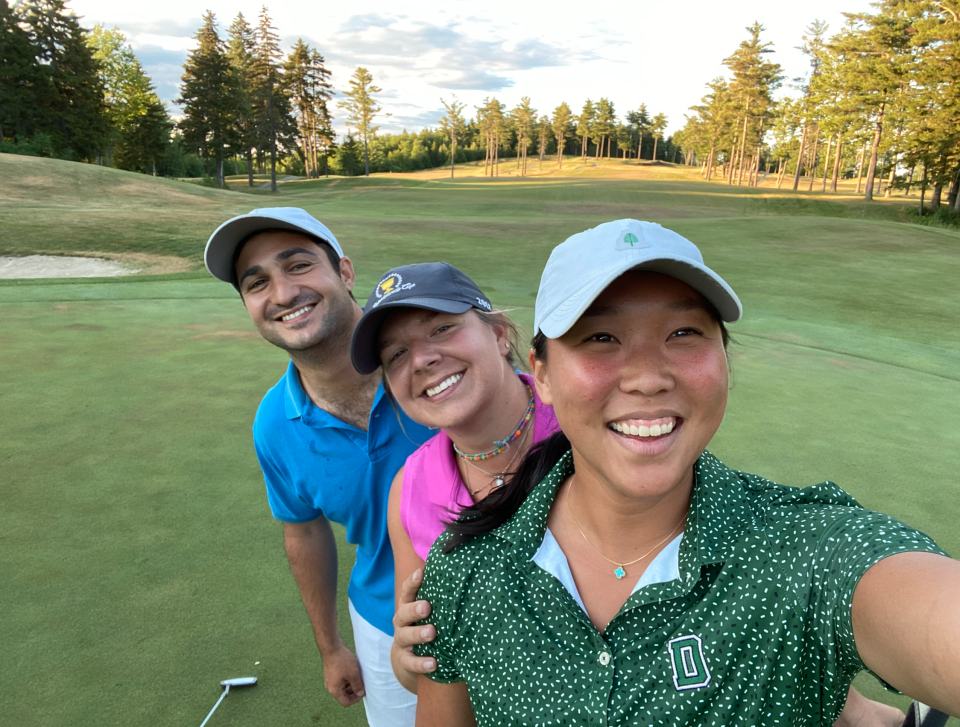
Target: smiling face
{"points": [[296, 298], [639, 384], [443, 368]]}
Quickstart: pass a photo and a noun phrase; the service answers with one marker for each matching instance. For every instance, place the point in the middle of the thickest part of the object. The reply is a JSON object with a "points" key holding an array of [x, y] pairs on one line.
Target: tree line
{"points": [[878, 104]]}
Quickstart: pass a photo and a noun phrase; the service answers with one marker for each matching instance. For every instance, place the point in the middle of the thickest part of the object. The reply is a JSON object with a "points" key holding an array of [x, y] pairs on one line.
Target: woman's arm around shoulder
{"points": [[408, 574], [906, 625], [443, 705]]}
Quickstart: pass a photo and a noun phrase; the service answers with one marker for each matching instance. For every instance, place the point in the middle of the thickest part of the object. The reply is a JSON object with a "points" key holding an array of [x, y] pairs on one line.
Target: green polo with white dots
{"points": [[756, 631]]}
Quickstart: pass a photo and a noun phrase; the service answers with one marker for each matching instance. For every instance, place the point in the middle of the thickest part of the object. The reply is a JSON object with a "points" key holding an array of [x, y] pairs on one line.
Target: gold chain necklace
{"points": [[498, 479], [619, 572]]}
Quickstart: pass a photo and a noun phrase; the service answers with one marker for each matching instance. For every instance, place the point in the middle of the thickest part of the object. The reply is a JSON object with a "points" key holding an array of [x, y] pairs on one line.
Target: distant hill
{"points": [[51, 206]]}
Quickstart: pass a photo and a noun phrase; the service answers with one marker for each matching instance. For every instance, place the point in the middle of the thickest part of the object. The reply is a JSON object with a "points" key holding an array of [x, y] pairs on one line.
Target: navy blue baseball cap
{"points": [[431, 286]]}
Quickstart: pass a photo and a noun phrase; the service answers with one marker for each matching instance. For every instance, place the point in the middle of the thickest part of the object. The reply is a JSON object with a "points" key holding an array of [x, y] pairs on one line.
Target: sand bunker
{"points": [[55, 266]]}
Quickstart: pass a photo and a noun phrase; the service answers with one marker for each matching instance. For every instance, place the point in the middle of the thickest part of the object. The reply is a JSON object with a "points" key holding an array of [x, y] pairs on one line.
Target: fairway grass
{"points": [[139, 562]]}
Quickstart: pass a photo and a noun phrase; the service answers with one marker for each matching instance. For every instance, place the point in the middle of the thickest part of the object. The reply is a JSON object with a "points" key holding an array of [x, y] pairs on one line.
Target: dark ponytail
{"points": [[501, 504]]}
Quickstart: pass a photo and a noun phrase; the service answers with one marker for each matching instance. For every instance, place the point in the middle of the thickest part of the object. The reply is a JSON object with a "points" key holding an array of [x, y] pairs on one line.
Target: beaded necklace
{"points": [[501, 445]]}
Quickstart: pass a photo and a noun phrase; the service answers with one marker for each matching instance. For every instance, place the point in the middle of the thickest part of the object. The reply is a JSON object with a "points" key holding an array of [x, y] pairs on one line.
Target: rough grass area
{"points": [[138, 559]]}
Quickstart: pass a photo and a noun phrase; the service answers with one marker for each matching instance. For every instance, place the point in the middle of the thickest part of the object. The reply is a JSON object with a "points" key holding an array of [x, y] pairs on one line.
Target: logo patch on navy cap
{"points": [[631, 240], [390, 285]]}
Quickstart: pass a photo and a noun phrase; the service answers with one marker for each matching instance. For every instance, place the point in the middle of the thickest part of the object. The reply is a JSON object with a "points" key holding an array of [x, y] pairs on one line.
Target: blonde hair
{"points": [[498, 319]]}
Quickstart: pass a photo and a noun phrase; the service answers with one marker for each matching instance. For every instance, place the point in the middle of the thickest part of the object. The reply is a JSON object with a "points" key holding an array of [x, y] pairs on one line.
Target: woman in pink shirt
{"points": [[448, 360]]}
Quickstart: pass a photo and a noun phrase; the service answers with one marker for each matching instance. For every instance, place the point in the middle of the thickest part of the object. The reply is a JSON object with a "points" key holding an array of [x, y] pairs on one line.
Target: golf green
{"points": [[139, 562]]}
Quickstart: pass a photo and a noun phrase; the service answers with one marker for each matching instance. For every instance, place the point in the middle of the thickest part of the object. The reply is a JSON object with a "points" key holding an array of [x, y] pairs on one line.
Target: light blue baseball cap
{"points": [[581, 267], [221, 251]]}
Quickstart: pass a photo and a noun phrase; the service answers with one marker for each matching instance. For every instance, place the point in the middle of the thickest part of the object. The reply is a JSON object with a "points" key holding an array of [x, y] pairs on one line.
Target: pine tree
{"points": [[605, 125], [716, 113], [873, 50], [362, 109], [272, 113], [72, 108], [522, 119], [22, 79], [348, 156], [240, 52], [491, 120], [307, 80], [210, 97], [754, 80], [584, 124], [658, 125], [561, 125], [639, 120], [543, 138], [454, 124]]}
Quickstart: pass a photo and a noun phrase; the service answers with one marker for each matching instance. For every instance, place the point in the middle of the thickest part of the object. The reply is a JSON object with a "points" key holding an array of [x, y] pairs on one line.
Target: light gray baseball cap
{"points": [[220, 254], [581, 267]]}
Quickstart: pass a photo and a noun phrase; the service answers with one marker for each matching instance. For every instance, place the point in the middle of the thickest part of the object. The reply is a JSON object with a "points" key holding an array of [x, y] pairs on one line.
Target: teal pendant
{"points": [[619, 572]]}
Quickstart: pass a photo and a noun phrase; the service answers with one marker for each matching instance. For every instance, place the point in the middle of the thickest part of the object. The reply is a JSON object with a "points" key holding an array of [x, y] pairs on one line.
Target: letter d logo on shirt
{"points": [[689, 667]]}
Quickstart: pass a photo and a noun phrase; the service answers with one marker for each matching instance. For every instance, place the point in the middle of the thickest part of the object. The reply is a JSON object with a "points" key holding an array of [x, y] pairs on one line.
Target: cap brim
{"points": [[222, 245], [699, 277], [363, 346]]}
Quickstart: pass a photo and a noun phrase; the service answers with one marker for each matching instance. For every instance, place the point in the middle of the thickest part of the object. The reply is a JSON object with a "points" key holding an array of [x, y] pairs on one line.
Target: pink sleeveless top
{"points": [[433, 492]]}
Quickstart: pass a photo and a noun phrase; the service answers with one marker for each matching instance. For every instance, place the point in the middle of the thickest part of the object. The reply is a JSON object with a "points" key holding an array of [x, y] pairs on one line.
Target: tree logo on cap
{"points": [[629, 240], [389, 285]]}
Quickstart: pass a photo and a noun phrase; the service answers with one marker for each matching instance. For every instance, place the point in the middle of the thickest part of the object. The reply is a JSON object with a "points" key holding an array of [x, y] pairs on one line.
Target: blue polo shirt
{"points": [[317, 465]]}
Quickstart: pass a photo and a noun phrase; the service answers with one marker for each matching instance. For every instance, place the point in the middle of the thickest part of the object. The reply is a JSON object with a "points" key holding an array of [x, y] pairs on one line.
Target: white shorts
{"points": [[387, 703]]}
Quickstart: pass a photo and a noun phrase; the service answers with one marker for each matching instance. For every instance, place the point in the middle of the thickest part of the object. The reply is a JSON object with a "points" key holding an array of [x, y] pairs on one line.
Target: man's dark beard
{"points": [[334, 332]]}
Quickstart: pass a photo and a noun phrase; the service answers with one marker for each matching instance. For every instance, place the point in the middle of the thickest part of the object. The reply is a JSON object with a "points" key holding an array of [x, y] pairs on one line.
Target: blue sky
{"points": [[660, 54]]}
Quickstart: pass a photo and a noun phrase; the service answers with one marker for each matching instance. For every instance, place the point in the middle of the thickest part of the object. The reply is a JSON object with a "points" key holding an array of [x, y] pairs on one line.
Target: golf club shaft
{"points": [[225, 693]]}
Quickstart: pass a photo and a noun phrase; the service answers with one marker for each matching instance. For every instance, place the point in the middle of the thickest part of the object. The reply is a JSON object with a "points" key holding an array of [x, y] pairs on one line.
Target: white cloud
{"points": [[630, 51]]}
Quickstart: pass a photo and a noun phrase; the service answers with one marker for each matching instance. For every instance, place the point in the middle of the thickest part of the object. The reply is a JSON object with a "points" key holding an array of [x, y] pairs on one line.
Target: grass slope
{"points": [[139, 561]]}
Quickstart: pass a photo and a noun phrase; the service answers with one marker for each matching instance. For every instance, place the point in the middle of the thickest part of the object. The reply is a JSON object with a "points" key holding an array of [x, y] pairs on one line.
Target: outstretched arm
{"points": [[444, 705], [906, 624], [312, 552]]}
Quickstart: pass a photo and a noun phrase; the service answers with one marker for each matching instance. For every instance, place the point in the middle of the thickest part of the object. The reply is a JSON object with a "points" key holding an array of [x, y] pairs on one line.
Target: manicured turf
{"points": [[138, 559]]}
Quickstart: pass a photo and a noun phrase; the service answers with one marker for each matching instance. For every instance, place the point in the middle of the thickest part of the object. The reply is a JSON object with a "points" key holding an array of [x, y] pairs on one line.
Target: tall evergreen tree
{"points": [[240, 52], [272, 112], [72, 106], [874, 50], [543, 138], [754, 81], [562, 127], [584, 125], [716, 113], [523, 118], [605, 125], [307, 81], [22, 80], [455, 125], [491, 120], [658, 126], [639, 120], [362, 109], [210, 97]]}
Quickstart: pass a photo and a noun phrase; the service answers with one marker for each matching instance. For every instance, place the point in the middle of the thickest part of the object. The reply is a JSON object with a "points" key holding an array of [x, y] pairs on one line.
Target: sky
{"points": [[421, 52]]}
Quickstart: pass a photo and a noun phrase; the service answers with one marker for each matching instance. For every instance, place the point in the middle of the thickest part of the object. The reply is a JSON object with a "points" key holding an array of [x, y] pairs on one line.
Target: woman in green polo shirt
{"points": [[625, 576]]}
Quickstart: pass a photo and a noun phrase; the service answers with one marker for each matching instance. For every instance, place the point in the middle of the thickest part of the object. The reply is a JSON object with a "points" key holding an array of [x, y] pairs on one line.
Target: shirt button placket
{"points": [[605, 659]]}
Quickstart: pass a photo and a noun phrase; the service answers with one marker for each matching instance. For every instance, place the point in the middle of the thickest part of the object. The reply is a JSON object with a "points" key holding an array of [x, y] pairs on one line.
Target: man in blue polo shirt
{"points": [[328, 440]]}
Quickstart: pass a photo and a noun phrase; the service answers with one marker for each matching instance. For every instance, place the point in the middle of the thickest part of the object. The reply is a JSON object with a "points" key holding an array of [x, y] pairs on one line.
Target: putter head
{"points": [[239, 682]]}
